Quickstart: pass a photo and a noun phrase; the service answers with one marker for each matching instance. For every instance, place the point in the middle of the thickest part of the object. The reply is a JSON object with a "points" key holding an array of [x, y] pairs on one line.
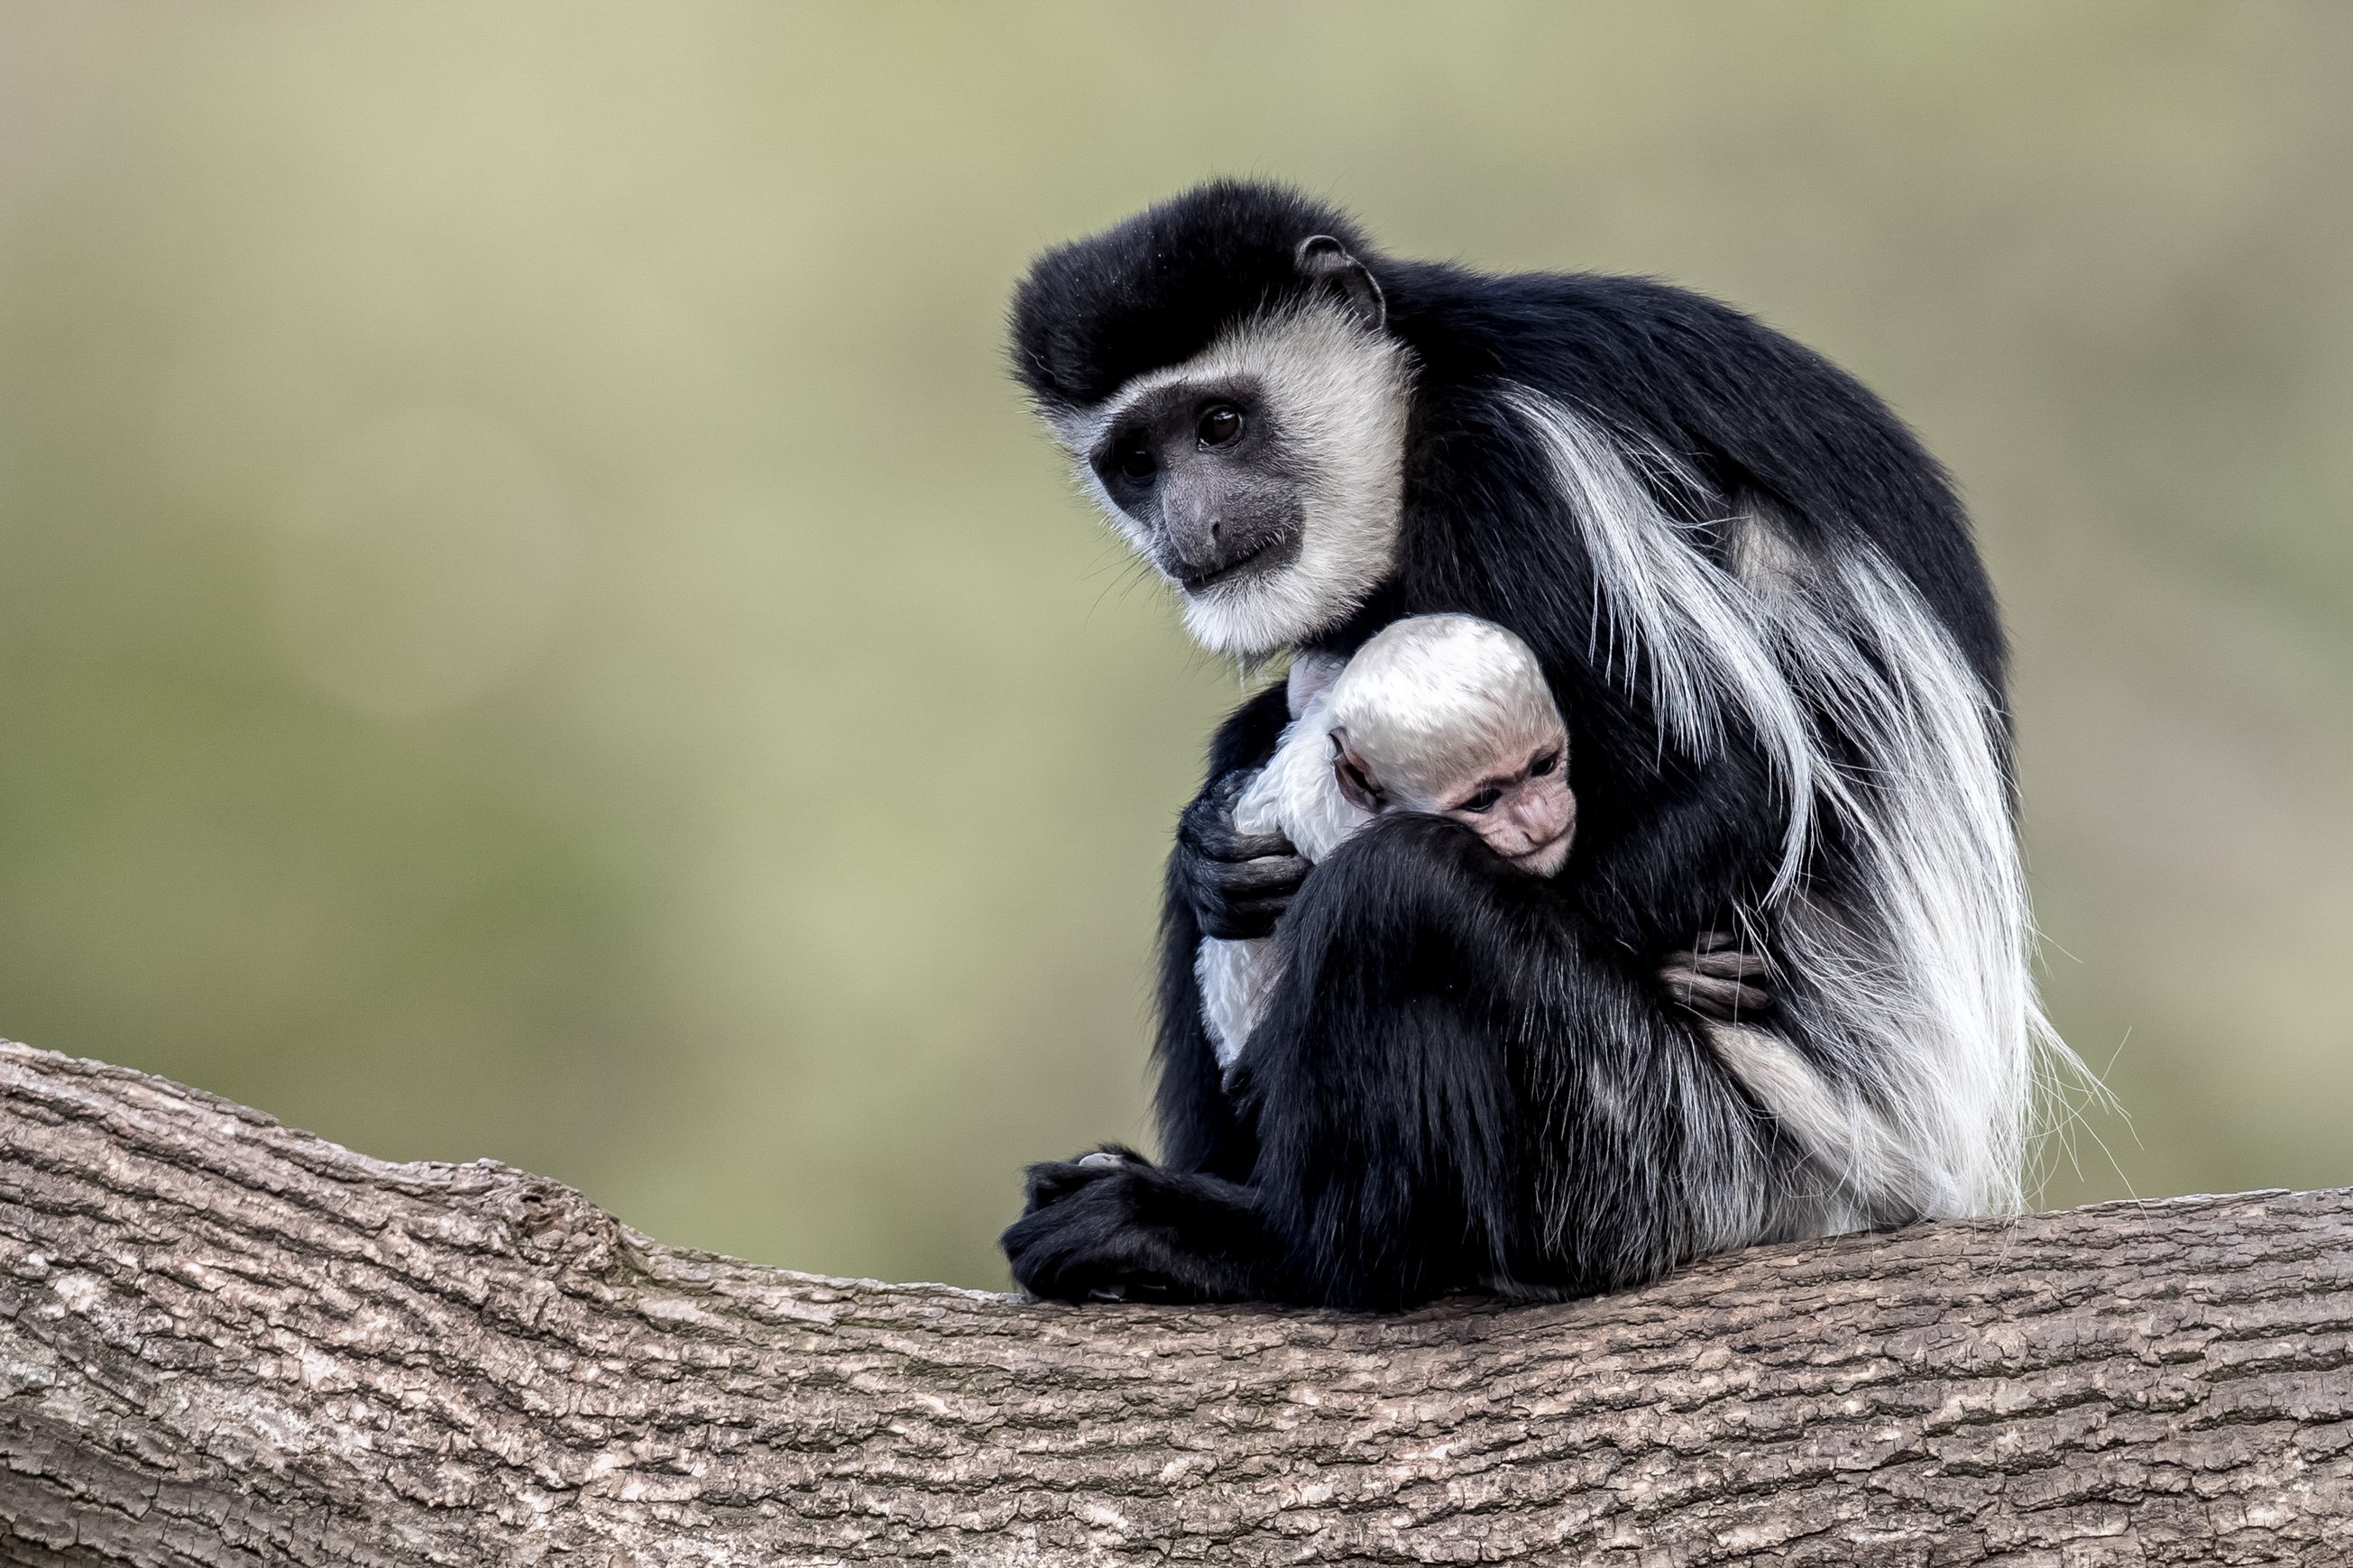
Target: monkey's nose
{"points": [[1549, 818]]}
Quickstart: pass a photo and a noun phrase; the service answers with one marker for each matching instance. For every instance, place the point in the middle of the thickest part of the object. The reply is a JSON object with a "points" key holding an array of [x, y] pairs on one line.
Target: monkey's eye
{"points": [[1219, 423], [1543, 764], [1135, 462], [1484, 800]]}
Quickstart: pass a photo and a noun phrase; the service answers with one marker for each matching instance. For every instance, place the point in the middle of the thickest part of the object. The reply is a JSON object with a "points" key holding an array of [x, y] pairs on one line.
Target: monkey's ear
{"points": [[1355, 777], [1326, 260]]}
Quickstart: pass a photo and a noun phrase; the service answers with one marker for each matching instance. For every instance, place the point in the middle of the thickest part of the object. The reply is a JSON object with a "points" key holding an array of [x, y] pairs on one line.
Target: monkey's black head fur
{"points": [[1155, 289]]}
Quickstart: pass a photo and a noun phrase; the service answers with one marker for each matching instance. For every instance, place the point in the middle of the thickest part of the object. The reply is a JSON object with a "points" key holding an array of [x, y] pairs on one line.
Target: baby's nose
{"points": [[1542, 816]]}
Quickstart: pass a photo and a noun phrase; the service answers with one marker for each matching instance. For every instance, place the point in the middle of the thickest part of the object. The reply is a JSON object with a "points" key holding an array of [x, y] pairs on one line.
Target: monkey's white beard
{"points": [[1339, 394]]}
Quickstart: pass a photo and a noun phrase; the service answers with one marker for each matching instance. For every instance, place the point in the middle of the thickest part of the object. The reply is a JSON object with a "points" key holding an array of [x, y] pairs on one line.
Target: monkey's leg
{"points": [[1392, 1138], [1461, 1084]]}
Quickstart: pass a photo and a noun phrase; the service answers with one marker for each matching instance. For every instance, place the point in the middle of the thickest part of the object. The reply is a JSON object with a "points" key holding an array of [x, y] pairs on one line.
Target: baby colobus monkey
{"points": [[1445, 714]]}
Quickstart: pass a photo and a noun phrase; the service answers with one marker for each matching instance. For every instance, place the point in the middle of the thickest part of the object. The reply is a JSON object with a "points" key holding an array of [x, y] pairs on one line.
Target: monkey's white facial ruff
{"points": [[1260, 478]]}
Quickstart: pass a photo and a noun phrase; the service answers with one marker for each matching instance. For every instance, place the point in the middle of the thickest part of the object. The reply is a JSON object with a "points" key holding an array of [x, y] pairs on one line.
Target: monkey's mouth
{"points": [[1278, 552], [1546, 857]]}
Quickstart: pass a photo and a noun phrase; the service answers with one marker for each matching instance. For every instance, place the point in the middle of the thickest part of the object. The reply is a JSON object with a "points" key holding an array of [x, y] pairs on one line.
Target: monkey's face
{"points": [[1523, 809], [1262, 478], [1518, 801], [1197, 466]]}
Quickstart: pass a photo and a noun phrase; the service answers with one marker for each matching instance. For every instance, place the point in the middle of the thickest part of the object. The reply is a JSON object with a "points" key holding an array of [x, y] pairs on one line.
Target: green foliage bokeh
{"points": [[533, 625]]}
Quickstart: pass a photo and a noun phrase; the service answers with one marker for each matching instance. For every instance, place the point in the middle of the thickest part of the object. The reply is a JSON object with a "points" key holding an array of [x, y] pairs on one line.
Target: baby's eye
{"points": [[1484, 800], [1543, 764]]}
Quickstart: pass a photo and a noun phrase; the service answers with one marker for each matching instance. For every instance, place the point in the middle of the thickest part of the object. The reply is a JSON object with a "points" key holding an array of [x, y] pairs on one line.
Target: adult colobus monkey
{"points": [[1758, 604]]}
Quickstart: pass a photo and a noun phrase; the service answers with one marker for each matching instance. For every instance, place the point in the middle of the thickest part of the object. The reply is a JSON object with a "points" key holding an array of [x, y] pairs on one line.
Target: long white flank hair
{"points": [[1918, 985]]}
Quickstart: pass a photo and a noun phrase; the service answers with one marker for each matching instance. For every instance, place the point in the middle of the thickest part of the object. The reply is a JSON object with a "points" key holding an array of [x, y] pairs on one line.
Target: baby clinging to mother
{"points": [[1474, 1057], [1443, 715]]}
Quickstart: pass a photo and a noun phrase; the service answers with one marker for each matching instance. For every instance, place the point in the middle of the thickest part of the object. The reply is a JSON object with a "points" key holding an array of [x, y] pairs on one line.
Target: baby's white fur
{"points": [[1423, 699]]}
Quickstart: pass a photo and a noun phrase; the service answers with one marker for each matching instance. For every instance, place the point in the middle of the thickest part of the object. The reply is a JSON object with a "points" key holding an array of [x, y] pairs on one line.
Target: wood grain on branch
{"points": [[225, 1341]]}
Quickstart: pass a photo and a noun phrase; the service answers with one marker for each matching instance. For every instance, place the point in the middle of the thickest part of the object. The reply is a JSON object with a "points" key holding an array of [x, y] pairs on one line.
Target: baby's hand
{"points": [[1719, 981]]}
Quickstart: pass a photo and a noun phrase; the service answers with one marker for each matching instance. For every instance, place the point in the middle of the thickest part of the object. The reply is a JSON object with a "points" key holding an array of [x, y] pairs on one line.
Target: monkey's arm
{"points": [[1463, 1082], [1219, 883]]}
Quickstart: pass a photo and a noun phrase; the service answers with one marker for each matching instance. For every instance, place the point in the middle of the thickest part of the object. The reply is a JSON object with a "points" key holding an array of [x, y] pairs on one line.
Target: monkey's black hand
{"points": [[1719, 981], [1237, 884]]}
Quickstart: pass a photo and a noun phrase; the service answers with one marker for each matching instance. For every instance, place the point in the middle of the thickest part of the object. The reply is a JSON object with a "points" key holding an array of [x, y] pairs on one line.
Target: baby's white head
{"points": [[1451, 714]]}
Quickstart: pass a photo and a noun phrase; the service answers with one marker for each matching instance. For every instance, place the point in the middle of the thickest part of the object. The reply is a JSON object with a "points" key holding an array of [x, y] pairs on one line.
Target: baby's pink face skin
{"points": [[1519, 803], [1522, 808]]}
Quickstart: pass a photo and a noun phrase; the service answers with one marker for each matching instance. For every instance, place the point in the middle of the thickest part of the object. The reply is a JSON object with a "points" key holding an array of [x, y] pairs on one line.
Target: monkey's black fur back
{"points": [[1468, 1077]]}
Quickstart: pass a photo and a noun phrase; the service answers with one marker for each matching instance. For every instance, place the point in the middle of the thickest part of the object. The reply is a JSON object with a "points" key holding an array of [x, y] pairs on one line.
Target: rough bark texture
{"points": [[224, 1341]]}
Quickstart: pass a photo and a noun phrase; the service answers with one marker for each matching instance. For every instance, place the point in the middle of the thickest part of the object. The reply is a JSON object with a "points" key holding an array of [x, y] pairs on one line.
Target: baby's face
{"points": [[1519, 803]]}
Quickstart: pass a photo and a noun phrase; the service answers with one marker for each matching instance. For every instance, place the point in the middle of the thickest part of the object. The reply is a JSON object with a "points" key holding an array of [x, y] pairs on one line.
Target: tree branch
{"points": [[223, 1342]]}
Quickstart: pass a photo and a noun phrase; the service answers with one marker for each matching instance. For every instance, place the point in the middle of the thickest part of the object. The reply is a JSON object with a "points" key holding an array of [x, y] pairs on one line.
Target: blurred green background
{"points": [[533, 625]]}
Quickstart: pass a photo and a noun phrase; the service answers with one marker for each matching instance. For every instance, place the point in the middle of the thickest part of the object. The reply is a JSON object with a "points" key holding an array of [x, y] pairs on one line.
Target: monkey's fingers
{"points": [[1723, 1000], [1243, 921], [1244, 849], [1272, 875], [1240, 901], [1207, 828], [1724, 964], [1237, 884], [1717, 941]]}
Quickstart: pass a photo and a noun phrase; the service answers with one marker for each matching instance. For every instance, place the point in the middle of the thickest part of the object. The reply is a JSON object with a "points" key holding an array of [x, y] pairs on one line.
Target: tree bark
{"points": [[225, 1341]]}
